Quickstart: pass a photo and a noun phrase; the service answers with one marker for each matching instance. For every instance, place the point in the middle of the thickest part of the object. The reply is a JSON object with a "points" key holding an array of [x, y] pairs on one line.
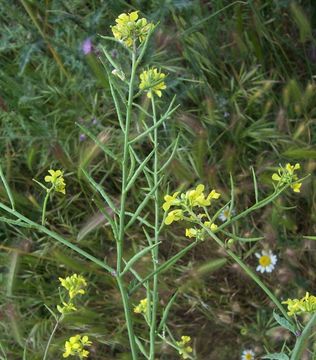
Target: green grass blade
{"points": [[100, 191], [98, 142], [7, 188]]}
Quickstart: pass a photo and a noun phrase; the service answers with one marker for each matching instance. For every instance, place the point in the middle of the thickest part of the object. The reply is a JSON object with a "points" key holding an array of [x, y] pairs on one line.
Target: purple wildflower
{"points": [[87, 46], [82, 137]]}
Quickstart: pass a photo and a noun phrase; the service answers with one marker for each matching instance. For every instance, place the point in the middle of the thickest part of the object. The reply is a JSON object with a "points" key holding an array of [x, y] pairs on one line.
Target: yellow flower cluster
{"points": [[129, 28], [75, 285], [186, 203], [75, 346], [152, 81], [141, 308], [305, 305], [184, 349], [57, 180], [287, 176]]}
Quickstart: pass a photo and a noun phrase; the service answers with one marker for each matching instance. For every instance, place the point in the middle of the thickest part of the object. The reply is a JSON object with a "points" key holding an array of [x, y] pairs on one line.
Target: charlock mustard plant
{"points": [[152, 82], [141, 308], [129, 28], [75, 346], [57, 181], [75, 285], [186, 204], [193, 206], [307, 304], [286, 175], [184, 348]]}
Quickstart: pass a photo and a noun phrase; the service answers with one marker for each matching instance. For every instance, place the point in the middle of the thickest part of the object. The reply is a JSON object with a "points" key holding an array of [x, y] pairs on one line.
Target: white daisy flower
{"points": [[248, 355], [225, 214], [267, 261]]}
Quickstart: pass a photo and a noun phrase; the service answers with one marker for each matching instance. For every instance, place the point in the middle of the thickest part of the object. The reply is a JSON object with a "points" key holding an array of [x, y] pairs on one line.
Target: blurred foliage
{"points": [[243, 73]]}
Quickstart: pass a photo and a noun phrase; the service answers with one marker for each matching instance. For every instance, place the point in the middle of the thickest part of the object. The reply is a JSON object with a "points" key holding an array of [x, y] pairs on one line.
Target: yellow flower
{"points": [[291, 168], [152, 82], [196, 197], [199, 234], [141, 308], [191, 232], [67, 308], [305, 305], [184, 349], [185, 339], [213, 227], [74, 284], [129, 28], [286, 176], [296, 187], [213, 195], [75, 346], [170, 201], [57, 180], [174, 215]]}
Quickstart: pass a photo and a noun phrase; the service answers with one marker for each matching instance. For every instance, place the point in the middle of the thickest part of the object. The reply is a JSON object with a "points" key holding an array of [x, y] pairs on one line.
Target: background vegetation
{"points": [[243, 73]]}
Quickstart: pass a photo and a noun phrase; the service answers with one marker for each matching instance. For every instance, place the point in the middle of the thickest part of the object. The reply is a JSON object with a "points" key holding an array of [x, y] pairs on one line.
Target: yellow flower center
{"points": [[263, 261], [249, 356], [226, 214]]}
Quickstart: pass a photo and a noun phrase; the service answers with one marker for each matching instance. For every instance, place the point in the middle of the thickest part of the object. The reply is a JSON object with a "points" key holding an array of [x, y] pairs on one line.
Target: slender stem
{"points": [[125, 166], [120, 239], [52, 234], [51, 338], [155, 300], [45, 205], [250, 273], [302, 339], [254, 207]]}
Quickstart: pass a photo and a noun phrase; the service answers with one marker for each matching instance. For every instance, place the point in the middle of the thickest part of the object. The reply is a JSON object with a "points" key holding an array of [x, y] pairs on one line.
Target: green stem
{"points": [[120, 239], [52, 234], [45, 205], [250, 273], [302, 339], [51, 338], [155, 300], [254, 207]]}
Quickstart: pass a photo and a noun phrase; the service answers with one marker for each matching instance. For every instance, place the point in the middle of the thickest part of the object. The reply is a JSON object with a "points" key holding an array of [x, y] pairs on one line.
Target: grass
{"points": [[243, 75]]}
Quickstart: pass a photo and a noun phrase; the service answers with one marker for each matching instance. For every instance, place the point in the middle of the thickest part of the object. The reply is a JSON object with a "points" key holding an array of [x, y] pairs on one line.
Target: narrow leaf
{"points": [[171, 156], [166, 265], [158, 123], [166, 311], [139, 170], [255, 184], [284, 323], [138, 256], [143, 204]]}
